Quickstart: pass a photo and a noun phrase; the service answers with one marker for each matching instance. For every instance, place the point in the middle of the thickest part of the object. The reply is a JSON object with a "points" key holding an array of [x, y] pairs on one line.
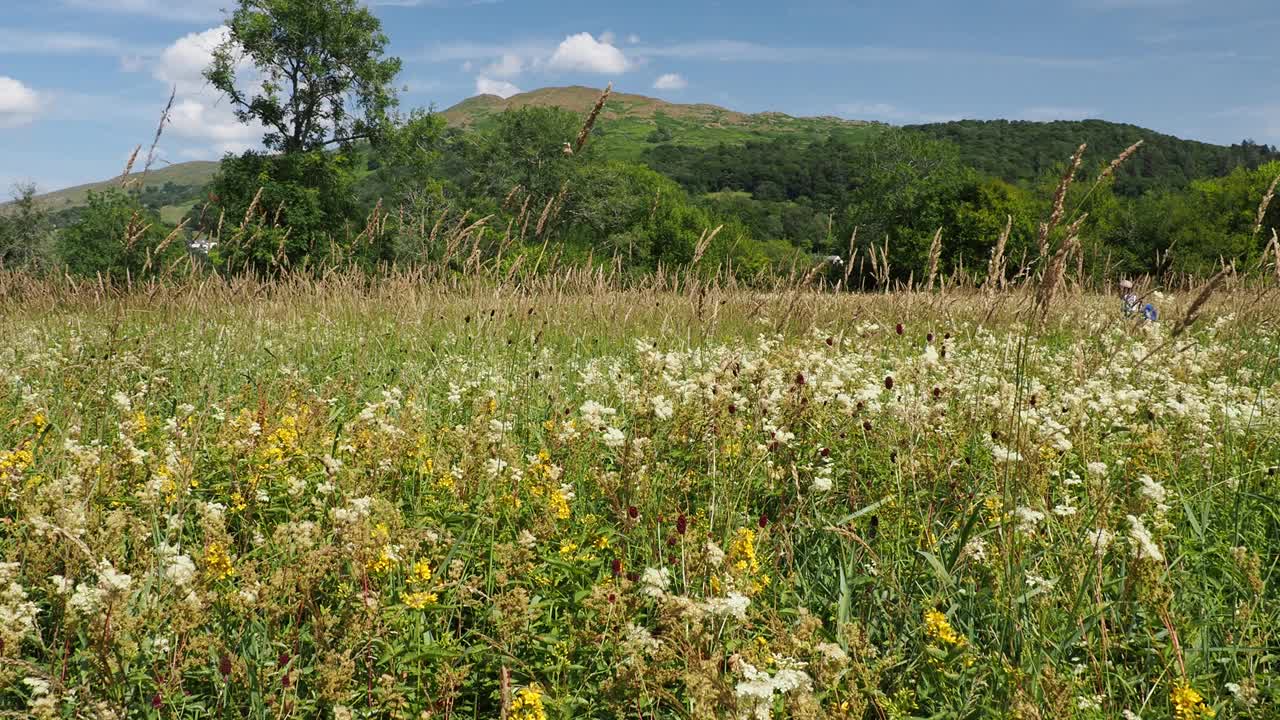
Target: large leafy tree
{"points": [[25, 230], [320, 76]]}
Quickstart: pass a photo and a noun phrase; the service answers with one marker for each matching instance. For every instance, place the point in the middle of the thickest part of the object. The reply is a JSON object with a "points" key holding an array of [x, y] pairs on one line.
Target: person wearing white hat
{"points": [[1129, 301]]}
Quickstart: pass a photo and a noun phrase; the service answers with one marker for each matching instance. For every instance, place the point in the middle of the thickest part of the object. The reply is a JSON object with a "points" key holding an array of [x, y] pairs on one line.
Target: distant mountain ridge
{"points": [[630, 124]]}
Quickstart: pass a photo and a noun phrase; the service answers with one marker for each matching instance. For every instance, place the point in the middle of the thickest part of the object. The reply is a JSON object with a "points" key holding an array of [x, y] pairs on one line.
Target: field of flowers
{"points": [[401, 504]]}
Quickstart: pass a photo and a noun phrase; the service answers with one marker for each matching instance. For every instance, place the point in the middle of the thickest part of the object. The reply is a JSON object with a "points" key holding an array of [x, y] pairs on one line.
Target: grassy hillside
{"points": [[184, 182], [631, 123]]}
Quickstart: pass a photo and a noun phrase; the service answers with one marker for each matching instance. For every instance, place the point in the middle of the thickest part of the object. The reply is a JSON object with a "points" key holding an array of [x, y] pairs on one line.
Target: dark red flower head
{"points": [[224, 665], [898, 329], [632, 512], [888, 382], [682, 524], [616, 567], [764, 521]]}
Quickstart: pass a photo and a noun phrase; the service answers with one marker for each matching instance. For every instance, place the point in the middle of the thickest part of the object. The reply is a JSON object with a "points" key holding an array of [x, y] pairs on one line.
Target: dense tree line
{"points": [[1022, 151], [906, 184]]}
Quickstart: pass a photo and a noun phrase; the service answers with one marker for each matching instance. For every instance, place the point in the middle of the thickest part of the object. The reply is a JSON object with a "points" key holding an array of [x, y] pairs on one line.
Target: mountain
{"points": [[172, 189], [1022, 151], [629, 123]]}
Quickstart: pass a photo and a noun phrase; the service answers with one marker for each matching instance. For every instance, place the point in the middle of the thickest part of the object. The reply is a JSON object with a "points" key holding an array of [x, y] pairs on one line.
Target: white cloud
{"points": [[178, 10], [1047, 113], [892, 113], [200, 115], [633, 39], [583, 53], [19, 104], [608, 38], [37, 42], [508, 66], [183, 63], [212, 126], [670, 81], [501, 88]]}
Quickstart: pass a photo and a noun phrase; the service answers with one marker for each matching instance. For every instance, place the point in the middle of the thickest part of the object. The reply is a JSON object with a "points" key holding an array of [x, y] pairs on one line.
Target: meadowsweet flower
{"points": [[1099, 540], [17, 612], [655, 582], [1246, 695], [1064, 510], [1028, 519], [1097, 468], [180, 570], [114, 584], [1144, 547], [715, 556], [1005, 455], [976, 549], [1089, 702], [757, 688], [595, 414], [732, 605], [662, 408], [1152, 490], [832, 653], [613, 437], [640, 642]]}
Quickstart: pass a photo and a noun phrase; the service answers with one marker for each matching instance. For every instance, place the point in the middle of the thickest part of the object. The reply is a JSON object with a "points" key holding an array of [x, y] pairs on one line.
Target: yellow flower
{"points": [[743, 550], [1189, 704], [140, 424], [527, 704], [421, 572], [16, 461], [939, 629], [384, 562], [559, 504], [994, 507], [217, 562], [567, 549], [238, 502], [40, 421], [419, 600], [601, 542]]}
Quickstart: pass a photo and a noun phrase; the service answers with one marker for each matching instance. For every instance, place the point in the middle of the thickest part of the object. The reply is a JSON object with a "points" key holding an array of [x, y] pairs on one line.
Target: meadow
{"points": [[345, 498]]}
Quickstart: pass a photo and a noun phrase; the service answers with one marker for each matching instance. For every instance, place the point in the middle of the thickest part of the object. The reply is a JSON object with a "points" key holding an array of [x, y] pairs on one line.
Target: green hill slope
{"points": [[631, 123], [172, 189]]}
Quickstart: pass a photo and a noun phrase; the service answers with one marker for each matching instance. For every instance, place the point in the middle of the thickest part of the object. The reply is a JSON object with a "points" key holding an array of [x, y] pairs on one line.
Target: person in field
{"points": [[1128, 299]]}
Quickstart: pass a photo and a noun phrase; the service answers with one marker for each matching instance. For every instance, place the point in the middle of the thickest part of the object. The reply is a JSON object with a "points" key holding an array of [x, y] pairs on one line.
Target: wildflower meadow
{"points": [[339, 499]]}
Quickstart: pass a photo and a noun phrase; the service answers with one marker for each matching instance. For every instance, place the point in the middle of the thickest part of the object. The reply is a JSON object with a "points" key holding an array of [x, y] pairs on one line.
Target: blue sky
{"points": [[83, 81]]}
